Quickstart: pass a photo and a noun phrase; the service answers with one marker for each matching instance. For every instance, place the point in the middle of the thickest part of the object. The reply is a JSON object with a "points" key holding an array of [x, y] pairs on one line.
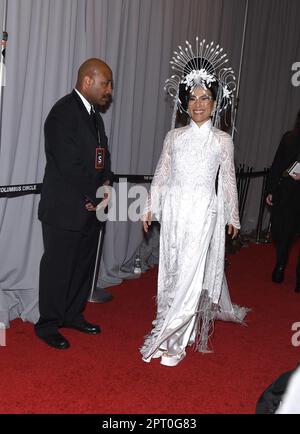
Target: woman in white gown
{"points": [[194, 196]]}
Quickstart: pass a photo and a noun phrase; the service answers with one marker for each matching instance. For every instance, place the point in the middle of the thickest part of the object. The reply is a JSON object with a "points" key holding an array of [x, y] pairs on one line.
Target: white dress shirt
{"points": [[87, 105]]}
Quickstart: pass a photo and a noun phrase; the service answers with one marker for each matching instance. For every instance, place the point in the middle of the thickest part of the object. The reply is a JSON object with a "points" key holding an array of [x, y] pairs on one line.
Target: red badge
{"points": [[100, 158]]}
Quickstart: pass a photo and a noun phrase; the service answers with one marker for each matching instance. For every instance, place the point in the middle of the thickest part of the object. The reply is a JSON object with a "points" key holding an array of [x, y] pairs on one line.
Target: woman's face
{"points": [[200, 105]]}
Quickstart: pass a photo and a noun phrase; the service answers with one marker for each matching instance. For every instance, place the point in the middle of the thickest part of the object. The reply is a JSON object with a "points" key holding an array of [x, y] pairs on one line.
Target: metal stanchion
{"points": [[258, 238], [244, 190], [97, 261]]}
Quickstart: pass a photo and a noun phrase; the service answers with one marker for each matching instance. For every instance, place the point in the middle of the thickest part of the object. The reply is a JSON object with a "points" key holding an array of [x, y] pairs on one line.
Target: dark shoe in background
{"points": [[278, 274], [56, 340], [100, 295]]}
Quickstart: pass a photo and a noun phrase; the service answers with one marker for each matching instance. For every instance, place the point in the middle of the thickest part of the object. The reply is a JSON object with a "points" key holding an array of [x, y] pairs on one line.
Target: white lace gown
{"points": [[192, 290]]}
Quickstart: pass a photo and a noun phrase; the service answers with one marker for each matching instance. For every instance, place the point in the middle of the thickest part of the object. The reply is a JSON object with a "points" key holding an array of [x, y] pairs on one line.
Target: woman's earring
{"points": [[213, 111]]}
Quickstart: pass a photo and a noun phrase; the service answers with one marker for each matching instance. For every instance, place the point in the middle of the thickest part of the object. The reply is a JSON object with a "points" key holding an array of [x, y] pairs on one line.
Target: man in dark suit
{"points": [[283, 194], [78, 163]]}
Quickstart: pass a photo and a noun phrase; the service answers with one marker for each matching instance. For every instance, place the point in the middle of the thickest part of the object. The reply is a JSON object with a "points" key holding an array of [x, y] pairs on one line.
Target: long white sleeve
{"points": [[160, 179], [229, 183]]}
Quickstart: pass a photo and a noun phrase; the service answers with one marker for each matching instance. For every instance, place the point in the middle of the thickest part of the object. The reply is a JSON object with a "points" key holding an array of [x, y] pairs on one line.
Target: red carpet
{"points": [[105, 374]]}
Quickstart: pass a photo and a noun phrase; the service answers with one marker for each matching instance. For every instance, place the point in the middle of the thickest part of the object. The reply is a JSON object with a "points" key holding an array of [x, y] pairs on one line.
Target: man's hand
{"points": [[146, 220], [269, 199], [232, 230], [90, 207], [106, 198]]}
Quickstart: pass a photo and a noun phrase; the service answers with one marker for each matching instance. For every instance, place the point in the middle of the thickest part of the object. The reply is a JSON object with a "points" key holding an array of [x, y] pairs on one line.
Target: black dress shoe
{"points": [[278, 274], [56, 341], [100, 295], [85, 327]]}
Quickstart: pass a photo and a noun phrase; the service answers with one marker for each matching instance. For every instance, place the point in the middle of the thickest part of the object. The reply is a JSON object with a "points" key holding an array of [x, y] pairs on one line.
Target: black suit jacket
{"points": [[70, 174], [287, 153]]}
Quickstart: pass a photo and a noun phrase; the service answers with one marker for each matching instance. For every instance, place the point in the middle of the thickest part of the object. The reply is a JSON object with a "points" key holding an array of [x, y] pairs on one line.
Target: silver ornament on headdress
{"points": [[202, 68]]}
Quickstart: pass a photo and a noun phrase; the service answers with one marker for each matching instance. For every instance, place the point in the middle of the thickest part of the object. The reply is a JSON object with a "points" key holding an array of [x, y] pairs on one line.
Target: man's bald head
{"points": [[90, 68], [94, 81]]}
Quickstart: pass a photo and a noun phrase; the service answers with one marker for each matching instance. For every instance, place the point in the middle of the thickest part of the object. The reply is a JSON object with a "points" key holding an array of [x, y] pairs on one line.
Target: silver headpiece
{"points": [[204, 67]]}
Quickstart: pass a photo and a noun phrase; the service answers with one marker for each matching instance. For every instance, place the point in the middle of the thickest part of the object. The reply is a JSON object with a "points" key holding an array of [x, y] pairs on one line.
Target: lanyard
{"points": [[100, 151]]}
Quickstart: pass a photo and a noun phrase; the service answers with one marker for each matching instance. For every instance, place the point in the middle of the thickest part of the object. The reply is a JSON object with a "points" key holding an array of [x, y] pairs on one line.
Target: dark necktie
{"points": [[93, 115]]}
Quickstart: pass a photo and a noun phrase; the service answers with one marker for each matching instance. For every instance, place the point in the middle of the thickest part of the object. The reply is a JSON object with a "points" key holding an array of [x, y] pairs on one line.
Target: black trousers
{"points": [[66, 272], [298, 269], [285, 221]]}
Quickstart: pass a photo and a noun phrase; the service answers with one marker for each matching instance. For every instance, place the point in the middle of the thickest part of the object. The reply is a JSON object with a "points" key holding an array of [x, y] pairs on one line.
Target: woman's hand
{"points": [[232, 230], [146, 220], [296, 176]]}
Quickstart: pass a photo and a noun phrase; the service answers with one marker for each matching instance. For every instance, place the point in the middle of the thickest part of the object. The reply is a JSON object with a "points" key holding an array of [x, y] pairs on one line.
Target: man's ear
{"points": [[86, 83]]}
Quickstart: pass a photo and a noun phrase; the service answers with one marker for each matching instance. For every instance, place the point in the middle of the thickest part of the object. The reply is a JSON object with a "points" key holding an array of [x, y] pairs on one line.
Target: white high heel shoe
{"points": [[170, 360], [158, 354]]}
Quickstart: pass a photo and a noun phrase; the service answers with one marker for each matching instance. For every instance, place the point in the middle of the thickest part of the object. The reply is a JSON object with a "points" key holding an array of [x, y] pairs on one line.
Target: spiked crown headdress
{"points": [[206, 68]]}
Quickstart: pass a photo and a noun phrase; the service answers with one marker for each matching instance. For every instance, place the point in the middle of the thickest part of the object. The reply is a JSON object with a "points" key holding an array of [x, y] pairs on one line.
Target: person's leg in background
{"points": [[297, 288], [284, 222]]}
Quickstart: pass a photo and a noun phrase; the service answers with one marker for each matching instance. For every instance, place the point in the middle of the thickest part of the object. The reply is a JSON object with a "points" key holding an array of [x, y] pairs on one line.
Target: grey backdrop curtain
{"points": [[268, 100], [48, 40]]}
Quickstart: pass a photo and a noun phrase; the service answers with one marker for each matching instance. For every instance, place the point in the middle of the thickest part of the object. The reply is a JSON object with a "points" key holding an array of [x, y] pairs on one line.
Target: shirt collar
{"points": [[203, 130], [87, 105]]}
